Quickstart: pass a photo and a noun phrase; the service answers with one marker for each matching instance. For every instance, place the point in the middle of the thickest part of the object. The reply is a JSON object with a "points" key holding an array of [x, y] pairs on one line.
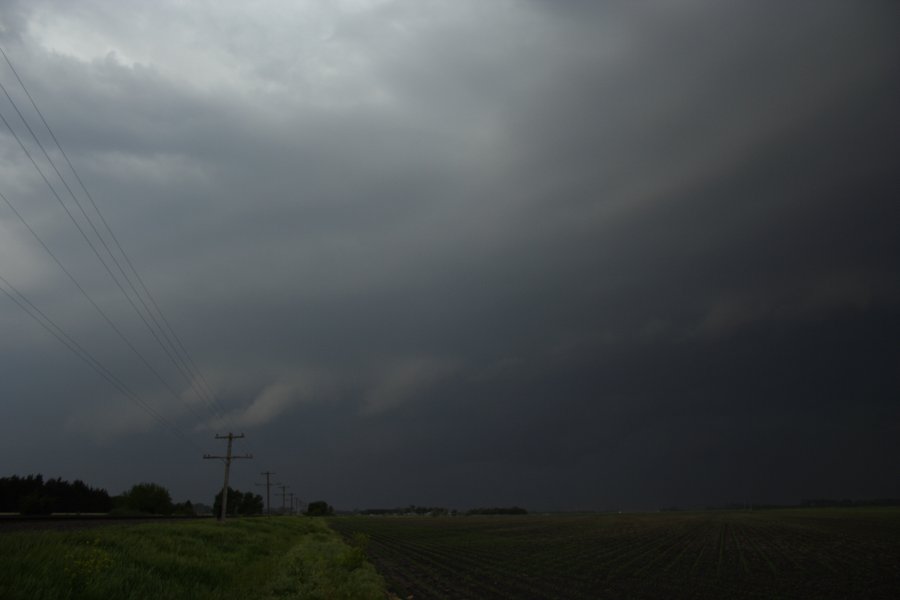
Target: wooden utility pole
{"points": [[284, 494], [268, 485], [227, 458], [291, 504]]}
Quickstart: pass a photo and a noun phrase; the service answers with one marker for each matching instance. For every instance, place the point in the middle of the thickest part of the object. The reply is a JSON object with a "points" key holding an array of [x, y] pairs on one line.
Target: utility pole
{"points": [[227, 458], [283, 494], [291, 504], [268, 485]]}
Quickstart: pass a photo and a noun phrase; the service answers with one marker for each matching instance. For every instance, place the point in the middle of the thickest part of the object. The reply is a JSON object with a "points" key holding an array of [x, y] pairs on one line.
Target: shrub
{"points": [[149, 498], [319, 508]]}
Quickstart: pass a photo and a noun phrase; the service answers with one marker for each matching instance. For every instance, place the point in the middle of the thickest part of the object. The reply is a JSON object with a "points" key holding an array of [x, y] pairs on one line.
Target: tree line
{"points": [[239, 503], [33, 495], [498, 510], [438, 511], [412, 509]]}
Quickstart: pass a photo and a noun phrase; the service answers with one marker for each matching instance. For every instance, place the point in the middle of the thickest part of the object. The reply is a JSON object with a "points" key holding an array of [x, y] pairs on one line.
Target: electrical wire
{"points": [[97, 307], [188, 362], [66, 340], [179, 355], [180, 367]]}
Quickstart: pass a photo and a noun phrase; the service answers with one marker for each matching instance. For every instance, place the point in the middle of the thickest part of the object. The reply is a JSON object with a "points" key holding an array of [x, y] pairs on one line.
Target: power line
{"points": [[72, 345], [97, 307], [182, 367], [83, 233], [174, 347], [189, 363], [80, 229]]}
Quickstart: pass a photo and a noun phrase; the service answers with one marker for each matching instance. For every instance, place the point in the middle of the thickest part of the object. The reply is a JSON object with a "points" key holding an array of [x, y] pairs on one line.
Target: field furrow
{"points": [[763, 554]]}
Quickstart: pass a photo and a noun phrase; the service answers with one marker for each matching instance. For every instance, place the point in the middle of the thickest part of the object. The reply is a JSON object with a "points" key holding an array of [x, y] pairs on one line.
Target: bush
{"points": [[319, 508], [149, 498], [184, 509]]}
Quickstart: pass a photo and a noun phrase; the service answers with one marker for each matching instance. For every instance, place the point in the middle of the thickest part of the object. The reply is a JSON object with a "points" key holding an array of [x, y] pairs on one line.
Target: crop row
{"points": [[659, 555]]}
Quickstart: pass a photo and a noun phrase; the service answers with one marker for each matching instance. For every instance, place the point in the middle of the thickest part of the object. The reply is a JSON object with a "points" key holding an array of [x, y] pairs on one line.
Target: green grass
{"points": [[277, 558]]}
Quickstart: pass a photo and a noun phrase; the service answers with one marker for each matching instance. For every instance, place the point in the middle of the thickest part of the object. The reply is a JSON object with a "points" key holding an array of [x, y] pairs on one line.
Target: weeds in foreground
{"points": [[288, 557]]}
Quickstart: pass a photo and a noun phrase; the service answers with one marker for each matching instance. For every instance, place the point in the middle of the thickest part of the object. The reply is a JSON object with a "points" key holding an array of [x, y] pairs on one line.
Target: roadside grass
{"points": [[278, 558], [325, 568]]}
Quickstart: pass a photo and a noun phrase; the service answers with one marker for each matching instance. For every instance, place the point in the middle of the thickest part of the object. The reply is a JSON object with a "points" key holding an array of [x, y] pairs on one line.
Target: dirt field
{"points": [[824, 553]]}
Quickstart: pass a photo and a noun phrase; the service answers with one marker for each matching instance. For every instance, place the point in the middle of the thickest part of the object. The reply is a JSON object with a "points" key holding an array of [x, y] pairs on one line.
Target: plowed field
{"points": [[822, 553]]}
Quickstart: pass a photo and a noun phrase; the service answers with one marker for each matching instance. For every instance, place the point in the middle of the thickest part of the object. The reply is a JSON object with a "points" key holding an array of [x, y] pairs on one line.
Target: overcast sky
{"points": [[560, 254]]}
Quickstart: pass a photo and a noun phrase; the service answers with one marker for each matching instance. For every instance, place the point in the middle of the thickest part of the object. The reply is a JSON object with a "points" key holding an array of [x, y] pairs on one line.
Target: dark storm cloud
{"points": [[568, 255]]}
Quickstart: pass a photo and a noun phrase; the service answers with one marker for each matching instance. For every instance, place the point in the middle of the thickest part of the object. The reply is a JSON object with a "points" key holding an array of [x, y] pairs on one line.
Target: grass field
{"points": [[818, 553], [276, 558]]}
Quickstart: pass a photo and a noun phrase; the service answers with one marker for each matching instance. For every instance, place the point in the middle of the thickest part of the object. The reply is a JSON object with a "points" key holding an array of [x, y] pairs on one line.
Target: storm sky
{"points": [[560, 254]]}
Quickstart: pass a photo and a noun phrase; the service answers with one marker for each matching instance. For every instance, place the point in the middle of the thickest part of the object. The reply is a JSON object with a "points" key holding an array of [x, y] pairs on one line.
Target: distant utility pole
{"points": [[284, 495], [291, 504], [268, 485], [227, 458]]}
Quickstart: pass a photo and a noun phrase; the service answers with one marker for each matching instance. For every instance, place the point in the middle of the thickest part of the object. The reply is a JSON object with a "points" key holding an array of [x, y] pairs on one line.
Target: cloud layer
{"points": [[560, 254]]}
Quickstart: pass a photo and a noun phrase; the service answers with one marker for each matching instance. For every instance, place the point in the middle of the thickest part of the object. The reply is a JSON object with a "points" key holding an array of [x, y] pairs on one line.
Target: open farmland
{"points": [[816, 553]]}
